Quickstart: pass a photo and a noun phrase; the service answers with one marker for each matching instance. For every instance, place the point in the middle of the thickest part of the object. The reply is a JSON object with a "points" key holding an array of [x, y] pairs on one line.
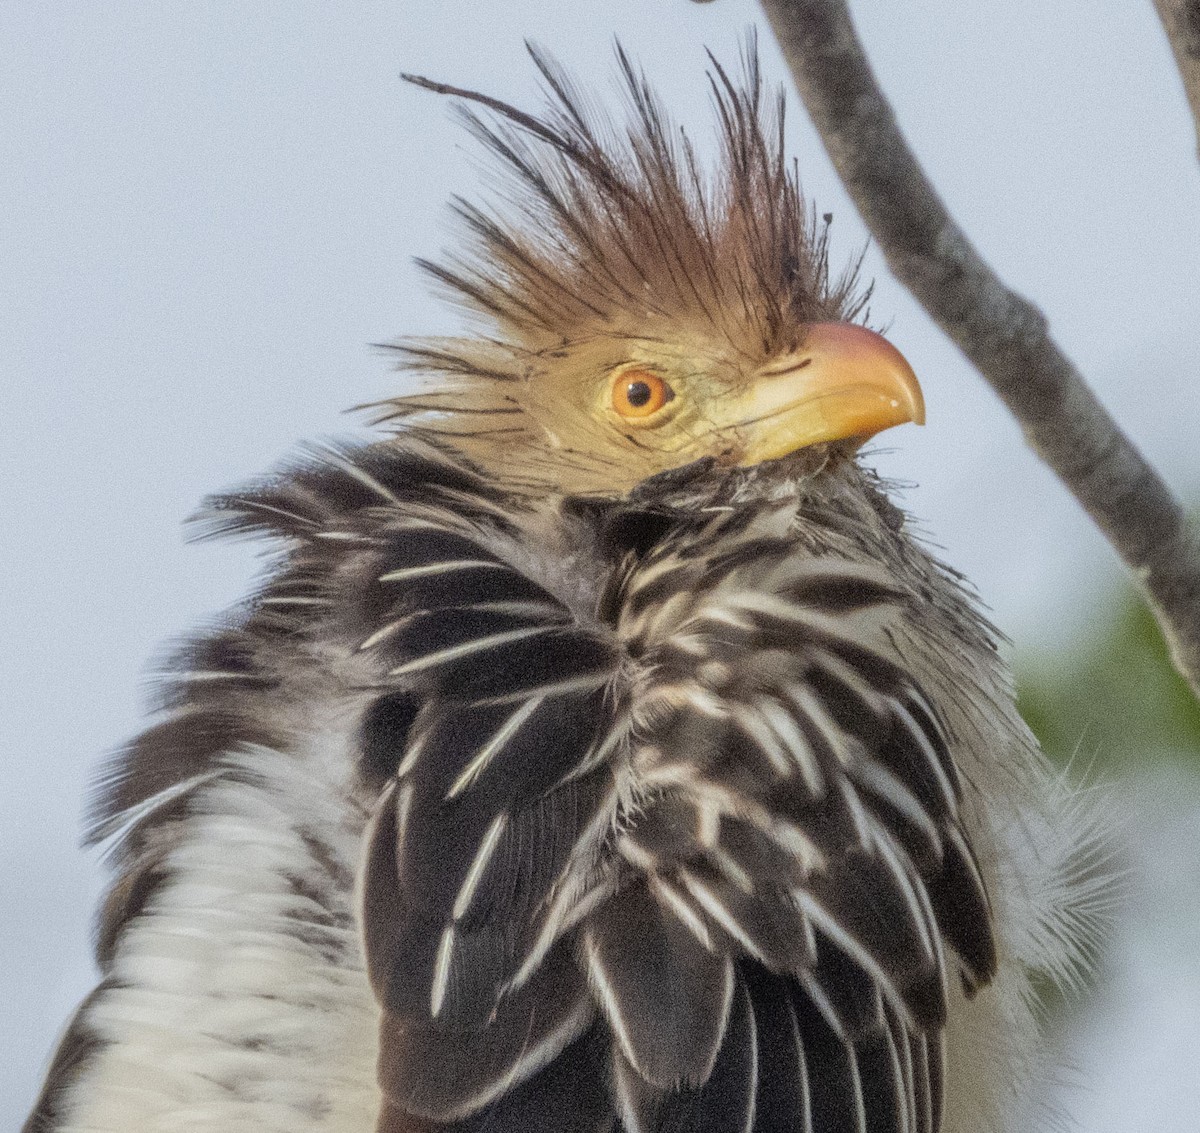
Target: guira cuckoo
{"points": [[602, 752]]}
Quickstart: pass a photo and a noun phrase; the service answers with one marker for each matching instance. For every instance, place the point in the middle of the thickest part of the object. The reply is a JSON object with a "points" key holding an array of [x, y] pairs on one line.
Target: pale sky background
{"points": [[210, 209]]}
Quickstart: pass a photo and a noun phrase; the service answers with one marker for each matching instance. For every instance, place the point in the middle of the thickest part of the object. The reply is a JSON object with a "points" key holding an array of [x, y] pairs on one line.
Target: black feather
{"points": [[446, 1073], [782, 1104], [571, 1095], [848, 997], [964, 913], [835, 1087], [665, 995], [885, 1094], [529, 664], [868, 903], [723, 1104], [384, 734]]}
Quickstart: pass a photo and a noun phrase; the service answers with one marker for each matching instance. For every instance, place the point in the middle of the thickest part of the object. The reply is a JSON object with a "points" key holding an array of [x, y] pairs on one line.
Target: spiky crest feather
{"points": [[610, 231]]}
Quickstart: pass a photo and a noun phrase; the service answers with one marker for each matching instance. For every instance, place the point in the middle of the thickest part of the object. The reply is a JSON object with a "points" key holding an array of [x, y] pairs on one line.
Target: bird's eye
{"points": [[639, 393]]}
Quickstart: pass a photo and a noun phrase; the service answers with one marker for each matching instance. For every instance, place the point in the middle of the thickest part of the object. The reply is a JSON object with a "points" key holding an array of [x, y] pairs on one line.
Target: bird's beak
{"points": [[844, 382]]}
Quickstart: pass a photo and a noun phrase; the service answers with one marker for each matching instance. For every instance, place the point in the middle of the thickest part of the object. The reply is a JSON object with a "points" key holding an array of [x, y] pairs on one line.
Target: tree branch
{"points": [[1181, 21], [1004, 335]]}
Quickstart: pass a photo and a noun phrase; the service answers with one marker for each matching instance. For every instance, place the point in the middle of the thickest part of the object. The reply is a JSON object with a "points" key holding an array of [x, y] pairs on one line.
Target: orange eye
{"points": [[639, 393]]}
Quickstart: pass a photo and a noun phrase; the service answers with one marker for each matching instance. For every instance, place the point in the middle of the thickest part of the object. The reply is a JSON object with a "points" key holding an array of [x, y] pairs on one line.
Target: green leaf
{"points": [[1112, 700]]}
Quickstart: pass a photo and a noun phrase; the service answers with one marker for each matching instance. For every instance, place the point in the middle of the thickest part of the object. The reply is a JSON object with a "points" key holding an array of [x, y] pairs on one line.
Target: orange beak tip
{"points": [[845, 382]]}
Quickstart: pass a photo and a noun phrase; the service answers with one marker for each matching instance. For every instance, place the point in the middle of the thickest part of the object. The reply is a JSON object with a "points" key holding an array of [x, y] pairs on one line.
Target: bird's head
{"points": [[638, 313]]}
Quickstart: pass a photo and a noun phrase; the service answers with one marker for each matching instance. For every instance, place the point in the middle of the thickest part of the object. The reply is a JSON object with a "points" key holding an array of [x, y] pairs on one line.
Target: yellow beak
{"points": [[845, 382]]}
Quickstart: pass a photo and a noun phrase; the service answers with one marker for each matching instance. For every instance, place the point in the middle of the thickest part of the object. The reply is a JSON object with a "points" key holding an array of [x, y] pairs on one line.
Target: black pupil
{"points": [[638, 394]]}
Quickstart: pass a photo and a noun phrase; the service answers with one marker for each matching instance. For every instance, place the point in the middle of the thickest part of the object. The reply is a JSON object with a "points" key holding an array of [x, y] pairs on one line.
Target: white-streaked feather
{"points": [[480, 863], [465, 649], [479, 762]]}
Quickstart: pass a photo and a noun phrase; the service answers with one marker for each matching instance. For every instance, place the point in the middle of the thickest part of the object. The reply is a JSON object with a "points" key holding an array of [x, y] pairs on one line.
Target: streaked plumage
{"points": [[575, 775]]}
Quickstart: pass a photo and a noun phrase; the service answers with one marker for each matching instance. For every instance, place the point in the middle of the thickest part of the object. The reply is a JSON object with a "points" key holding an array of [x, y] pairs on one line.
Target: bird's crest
{"points": [[611, 231]]}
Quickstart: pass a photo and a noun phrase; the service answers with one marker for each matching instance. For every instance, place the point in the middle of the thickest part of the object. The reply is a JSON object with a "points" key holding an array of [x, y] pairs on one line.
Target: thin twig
{"points": [[1181, 21], [1004, 335]]}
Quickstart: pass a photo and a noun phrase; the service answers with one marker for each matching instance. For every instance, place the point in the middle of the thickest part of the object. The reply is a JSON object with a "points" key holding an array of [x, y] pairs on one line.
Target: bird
{"points": [[602, 751]]}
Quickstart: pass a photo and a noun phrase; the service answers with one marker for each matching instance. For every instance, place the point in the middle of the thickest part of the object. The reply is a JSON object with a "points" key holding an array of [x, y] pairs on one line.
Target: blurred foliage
{"points": [[1112, 701], [1111, 704]]}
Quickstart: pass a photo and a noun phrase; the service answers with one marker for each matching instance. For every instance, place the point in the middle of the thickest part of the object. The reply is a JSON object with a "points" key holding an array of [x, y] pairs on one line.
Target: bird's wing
{"points": [[696, 865], [498, 789], [495, 786]]}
